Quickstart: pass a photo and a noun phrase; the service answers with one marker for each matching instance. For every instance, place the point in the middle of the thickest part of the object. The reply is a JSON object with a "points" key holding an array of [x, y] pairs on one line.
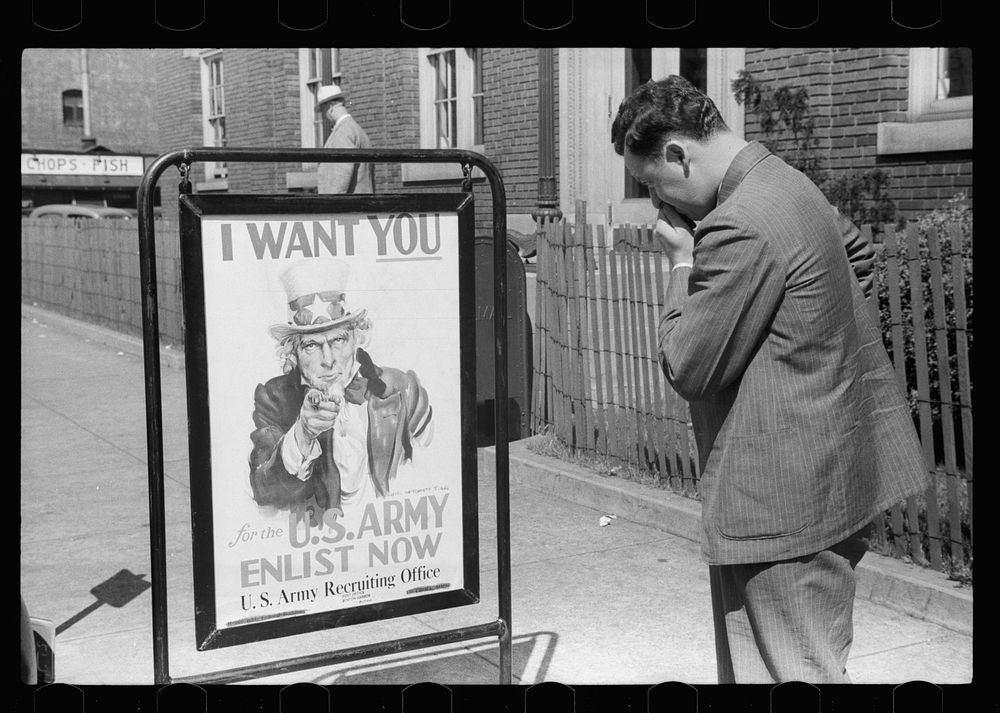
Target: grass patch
{"points": [[548, 444]]}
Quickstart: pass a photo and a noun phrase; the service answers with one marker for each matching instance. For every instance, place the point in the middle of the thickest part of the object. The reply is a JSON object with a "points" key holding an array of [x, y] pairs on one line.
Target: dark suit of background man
{"points": [[803, 433], [345, 133]]}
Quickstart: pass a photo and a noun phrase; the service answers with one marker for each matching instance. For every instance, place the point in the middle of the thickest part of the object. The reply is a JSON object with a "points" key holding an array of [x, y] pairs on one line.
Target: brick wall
{"points": [[121, 95], [382, 86], [383, 91], [178, 105], [851, 91], [263, 111]]}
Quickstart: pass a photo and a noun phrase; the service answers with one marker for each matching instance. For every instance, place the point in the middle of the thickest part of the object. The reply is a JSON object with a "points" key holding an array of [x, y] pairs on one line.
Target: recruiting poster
{"points": [[330, 480]]}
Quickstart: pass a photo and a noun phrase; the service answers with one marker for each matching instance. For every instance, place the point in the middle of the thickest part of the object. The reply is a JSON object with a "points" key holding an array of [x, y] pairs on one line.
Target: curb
{"points": [[915, 591], [173, 359]]}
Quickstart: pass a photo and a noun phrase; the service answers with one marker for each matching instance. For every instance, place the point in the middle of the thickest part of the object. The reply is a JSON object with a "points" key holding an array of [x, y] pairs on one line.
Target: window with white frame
{"points": [[318, 67], [214, 110], [452, 100], [939, 110], [940, 82]]}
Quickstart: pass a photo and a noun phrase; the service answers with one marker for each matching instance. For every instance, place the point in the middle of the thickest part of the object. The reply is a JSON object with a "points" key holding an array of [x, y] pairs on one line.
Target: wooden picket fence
{"points": [[89, 270], [597, 384], [598, 387]]}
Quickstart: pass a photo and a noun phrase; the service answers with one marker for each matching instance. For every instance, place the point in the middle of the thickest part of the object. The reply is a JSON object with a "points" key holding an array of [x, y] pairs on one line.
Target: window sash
{"points": [[72, 105], [445, 99], [216, 94], [214, 111]]}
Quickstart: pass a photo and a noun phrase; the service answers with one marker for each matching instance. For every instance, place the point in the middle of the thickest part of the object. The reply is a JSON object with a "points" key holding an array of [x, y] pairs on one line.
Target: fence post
{"points": [[577, 291], [962, 354], [923, 392], [944, 394]]}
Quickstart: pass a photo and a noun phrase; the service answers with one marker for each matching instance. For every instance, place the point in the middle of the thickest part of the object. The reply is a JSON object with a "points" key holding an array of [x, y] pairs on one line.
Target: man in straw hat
{"points": [[334, 427], [346, 134]]}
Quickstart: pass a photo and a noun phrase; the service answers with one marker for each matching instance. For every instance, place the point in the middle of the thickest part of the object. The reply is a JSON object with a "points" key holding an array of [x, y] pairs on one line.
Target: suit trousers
{"points": [[790, 620]]}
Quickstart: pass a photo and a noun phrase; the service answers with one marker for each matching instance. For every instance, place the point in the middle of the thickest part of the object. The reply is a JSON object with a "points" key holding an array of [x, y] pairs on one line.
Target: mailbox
{"points": [[518, 345]]}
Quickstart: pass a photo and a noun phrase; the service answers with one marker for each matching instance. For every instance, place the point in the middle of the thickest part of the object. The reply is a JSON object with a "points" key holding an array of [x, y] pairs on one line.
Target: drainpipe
{"points": [[85, 91], [548, 201]]}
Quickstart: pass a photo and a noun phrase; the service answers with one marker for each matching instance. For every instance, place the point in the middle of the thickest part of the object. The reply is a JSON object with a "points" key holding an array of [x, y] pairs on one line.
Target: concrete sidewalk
{"points": [[627, 603]]}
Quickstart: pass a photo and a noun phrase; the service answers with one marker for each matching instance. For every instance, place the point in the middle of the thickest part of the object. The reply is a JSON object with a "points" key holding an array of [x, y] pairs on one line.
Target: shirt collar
{"points": [[337, 122], [748, 157]]}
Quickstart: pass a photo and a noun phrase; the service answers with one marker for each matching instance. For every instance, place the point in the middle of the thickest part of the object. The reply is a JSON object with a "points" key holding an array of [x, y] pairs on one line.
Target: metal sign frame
{"points": [[183, 158]]}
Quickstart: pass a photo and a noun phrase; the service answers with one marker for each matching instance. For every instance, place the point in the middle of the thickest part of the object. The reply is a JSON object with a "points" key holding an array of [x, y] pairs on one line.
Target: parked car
{"points": [[157, 212], [76, 211]]}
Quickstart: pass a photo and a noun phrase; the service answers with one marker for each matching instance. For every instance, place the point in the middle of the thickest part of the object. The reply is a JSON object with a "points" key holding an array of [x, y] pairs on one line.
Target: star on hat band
{"points": [[316, 308]]}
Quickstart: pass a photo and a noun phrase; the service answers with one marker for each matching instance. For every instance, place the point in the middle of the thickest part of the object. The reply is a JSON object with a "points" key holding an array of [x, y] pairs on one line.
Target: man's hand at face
{"points": [[673, 232]]}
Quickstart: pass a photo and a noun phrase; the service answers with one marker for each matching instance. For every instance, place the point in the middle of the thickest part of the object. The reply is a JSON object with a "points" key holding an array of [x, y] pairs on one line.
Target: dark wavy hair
{"points": [[659, 109]]}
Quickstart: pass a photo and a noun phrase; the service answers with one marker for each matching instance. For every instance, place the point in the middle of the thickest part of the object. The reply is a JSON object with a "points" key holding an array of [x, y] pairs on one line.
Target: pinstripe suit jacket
{"points": [[802, 429]]}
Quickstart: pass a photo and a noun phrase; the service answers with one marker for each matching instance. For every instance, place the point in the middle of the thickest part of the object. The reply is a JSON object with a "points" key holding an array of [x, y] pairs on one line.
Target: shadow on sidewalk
{"points": [[116, 591], [475, 663]]}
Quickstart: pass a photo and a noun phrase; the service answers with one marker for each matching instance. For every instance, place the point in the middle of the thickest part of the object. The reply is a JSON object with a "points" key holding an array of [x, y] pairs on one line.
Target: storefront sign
{"points": [[331, 392], [55, 164]]}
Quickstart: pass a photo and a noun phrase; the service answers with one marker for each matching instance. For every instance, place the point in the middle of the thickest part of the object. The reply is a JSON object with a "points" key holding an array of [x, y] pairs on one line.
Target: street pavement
{"points": [[624, 603]]}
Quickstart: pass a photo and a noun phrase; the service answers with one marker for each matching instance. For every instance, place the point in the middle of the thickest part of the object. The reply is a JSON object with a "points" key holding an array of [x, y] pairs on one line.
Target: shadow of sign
{"points": [[116, 591], [457, 664]]}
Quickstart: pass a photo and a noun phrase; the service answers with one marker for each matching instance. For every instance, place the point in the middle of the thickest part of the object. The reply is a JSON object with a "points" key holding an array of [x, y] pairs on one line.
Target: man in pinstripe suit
{"points": [[803, 433]]}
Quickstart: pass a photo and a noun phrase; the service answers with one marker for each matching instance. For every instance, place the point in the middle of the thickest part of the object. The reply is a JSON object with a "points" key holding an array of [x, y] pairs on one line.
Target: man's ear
{"points": [[676, 152]]}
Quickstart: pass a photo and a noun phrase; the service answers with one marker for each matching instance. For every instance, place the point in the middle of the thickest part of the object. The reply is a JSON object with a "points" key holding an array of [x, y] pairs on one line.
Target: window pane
{"points": [[638, 67], [476, 55], [477, 70], [325, 65], [454, 124], [314, 62], [954, 72], [72, 103], [638, 71], [220, 169], [477, 106], [444, 65], [694, 66], [445, 123]]}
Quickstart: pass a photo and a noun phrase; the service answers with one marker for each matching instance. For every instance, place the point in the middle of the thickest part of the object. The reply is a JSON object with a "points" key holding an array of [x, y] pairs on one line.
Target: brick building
{"points": [[84, 114], [907, 111]]}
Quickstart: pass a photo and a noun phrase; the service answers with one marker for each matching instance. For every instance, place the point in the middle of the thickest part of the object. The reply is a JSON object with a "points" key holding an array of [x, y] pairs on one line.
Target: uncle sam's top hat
{"points": [[315, 290]]}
